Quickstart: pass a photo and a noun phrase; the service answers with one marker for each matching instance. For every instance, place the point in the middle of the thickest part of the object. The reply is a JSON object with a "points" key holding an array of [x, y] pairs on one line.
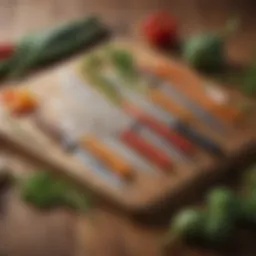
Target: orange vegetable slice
{"points": [[19, 101]]}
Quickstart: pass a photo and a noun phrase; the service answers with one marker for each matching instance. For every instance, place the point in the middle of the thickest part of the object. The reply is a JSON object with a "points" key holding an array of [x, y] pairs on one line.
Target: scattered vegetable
{"points": [[160, 30], [248, 213], [44, 191], [46, 47], [214, 226], [6, 50], [222, 214], [19, 102], [92, 69], [249, 83], [206, 51], [250, 179], [124, 63], [248, 205], [188, 224]]}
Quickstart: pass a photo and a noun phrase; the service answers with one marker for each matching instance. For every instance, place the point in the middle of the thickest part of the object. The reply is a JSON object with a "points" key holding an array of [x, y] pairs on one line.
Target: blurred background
{"points": [[20, 17], [105, 232]]}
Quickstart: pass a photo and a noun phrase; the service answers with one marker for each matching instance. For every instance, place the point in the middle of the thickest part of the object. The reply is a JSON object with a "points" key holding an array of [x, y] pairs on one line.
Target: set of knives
{"points": [[133, 129]]}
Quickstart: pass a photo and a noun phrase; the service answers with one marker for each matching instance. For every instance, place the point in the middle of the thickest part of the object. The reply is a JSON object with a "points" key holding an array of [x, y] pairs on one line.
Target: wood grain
{"points": [[53, 235]]}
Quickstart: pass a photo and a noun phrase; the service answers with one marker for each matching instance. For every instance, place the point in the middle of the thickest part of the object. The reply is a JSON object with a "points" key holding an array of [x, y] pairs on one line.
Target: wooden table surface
{"points": [[24, 231]]}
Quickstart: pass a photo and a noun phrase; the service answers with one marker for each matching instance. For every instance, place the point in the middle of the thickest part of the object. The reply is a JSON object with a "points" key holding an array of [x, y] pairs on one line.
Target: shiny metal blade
{"points": [[179, 98]]}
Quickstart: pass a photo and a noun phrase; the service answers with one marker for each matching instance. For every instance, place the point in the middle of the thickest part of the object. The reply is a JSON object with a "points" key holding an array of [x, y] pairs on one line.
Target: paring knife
{"points": [[77, 151], [192, 87]]}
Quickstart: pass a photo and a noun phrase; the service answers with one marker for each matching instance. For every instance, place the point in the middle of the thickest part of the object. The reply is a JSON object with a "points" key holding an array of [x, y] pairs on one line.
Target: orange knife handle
{"points": [[111, 159], [191, 85]]}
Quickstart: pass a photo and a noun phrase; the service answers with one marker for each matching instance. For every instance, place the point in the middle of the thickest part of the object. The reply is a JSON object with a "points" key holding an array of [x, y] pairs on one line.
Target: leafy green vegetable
{"points": [[205, 52], [92, 67], [124, 63], [44, 191]]}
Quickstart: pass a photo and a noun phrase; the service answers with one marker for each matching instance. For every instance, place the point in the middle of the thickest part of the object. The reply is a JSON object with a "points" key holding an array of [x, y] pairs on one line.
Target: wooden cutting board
{"points": [[146, 190]]}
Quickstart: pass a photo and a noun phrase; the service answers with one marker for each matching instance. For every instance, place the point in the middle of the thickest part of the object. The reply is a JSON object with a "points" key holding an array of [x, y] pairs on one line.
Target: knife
{"points": [[71, 146], [170, 91]]}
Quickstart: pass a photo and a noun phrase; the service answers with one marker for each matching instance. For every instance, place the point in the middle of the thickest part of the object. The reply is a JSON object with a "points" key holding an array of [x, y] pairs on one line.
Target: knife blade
{"points": [[169, 90], [72, 147]]}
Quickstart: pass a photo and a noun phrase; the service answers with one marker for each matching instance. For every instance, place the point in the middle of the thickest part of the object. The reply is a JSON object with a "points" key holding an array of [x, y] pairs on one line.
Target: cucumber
{"points": [[223, 213], [65, 49], [57, 43]]}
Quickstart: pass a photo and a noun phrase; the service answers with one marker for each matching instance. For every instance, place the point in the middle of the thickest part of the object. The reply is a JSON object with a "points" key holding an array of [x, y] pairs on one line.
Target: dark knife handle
{"points": [[201, 140]]}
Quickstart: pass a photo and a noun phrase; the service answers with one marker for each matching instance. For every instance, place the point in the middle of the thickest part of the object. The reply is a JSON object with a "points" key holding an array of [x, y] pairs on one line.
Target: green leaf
{"points": [[124, 63], [45, 191]]}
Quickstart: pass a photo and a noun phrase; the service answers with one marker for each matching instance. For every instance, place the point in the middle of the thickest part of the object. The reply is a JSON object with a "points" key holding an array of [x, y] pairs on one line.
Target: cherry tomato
{"points": [[160, 30], [6, 50]]}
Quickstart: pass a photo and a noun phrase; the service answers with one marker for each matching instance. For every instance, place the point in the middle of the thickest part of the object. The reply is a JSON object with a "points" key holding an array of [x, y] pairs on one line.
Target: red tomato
{"points": [[160, 29], [6, 50]]}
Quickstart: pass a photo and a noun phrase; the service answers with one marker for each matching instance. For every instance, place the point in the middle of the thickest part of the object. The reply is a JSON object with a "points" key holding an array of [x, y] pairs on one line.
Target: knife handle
{"points": [[138, 144], [181, 143], [191, 85], [114, 161], [159, 98], [199, 139]]}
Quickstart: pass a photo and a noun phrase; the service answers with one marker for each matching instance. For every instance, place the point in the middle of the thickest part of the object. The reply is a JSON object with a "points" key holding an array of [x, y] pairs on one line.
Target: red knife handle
{"points": [[147, 150], [181, 143]]}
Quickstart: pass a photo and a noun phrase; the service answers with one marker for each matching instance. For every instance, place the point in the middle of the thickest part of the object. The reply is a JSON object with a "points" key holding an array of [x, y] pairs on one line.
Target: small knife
{"points": [[71, 146], [179, 98]]}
